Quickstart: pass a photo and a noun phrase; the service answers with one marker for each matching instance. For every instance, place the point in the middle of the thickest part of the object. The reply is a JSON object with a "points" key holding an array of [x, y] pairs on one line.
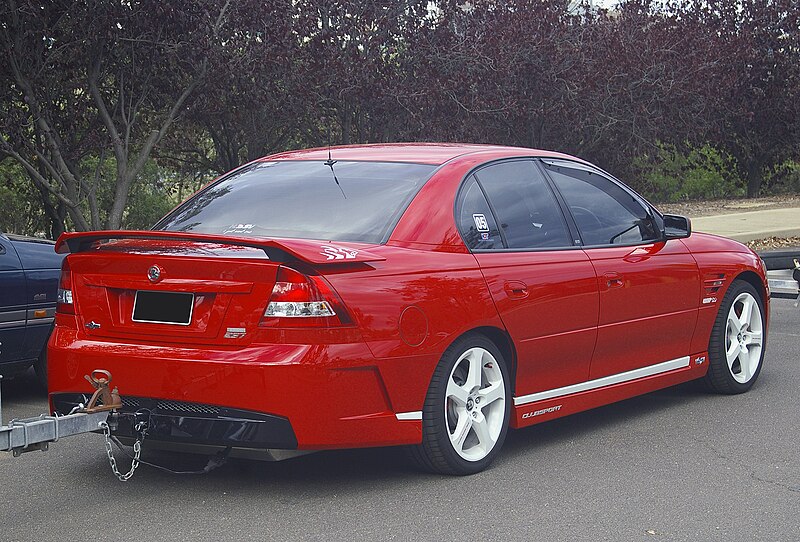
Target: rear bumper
{"points": [[191, 423], [278, 396]]}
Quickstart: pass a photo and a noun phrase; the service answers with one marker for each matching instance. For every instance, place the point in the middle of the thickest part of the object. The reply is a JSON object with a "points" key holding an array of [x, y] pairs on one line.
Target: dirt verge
{"points": [[695, 209]]}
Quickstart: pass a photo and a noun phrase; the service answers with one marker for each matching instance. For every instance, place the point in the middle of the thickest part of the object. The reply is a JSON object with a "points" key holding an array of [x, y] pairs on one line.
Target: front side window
{"points": [[340, 201], [526, 208], [604, 212]]}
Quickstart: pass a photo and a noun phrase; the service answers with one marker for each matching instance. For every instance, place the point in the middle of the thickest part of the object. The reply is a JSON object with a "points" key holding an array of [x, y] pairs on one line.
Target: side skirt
{"points": [[549, 405]]}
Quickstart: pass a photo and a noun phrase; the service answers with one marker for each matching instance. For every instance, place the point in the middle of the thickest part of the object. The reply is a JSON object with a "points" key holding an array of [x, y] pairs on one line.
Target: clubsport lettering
{"points": [[542, 411]]}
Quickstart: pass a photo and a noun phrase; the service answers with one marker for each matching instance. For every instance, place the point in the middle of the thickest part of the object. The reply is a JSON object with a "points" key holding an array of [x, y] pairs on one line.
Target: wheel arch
{"points": [[502, 340], [755, 281]]}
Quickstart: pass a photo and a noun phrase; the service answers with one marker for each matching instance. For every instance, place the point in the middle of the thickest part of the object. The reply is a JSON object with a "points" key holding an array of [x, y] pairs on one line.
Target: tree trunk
{"points": [[755, 170], [121, 191]]}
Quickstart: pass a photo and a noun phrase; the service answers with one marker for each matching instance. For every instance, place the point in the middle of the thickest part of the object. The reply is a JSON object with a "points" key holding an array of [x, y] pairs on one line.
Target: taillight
{"points": [[300, 300], [64, 304]]}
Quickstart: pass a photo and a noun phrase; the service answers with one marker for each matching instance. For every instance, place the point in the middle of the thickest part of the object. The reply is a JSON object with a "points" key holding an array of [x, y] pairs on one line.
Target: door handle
{"points": [[516, 289], [613, 280]]}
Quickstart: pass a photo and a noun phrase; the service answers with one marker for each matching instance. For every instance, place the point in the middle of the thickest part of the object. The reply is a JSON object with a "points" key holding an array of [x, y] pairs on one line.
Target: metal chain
{"points": [[137, 450]]}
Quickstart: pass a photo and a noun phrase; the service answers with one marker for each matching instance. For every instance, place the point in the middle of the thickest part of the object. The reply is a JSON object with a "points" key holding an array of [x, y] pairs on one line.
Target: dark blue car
{"points": [[29, 273]]}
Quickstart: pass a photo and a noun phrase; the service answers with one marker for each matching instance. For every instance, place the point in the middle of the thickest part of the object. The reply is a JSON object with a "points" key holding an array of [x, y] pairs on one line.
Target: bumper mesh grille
{"points": [[194, 408], [163, 405]]}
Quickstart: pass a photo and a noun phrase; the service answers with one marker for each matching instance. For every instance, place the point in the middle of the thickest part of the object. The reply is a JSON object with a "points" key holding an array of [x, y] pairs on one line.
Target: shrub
{"points": [[673, 175], [783, 179]]}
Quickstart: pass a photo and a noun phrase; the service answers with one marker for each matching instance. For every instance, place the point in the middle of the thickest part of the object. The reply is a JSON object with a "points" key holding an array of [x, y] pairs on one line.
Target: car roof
{"points": [[420, 153], [26, 239]]}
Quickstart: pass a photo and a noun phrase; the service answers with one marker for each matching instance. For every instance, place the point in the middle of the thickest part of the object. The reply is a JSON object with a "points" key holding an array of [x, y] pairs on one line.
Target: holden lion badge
{"points": [[154, 273]]}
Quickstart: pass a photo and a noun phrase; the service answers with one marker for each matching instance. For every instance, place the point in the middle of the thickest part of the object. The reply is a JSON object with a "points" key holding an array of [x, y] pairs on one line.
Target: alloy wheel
{"points": [[475, 404], [743, 337]]}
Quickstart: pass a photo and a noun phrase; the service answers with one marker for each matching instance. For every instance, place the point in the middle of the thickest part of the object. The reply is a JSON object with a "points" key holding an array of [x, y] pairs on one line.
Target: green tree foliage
{"points": [[97, 79], [20, 207], [114, 110], [674, 174]]}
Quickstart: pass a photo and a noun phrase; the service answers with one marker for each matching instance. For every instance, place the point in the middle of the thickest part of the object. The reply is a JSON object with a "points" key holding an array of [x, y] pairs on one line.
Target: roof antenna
{"points": [[330, 163]]}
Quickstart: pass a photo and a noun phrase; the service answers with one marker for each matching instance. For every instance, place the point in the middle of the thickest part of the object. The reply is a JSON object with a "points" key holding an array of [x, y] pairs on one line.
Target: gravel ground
{"points": [[774, 243], [695, 209]]}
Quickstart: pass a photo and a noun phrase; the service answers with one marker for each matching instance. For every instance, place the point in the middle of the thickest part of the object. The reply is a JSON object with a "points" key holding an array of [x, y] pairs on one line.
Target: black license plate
{"points": [[163, 307]]}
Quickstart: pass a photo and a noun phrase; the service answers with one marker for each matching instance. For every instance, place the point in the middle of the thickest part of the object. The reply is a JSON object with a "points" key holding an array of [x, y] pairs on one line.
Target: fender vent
{"points": [[713, 282]]}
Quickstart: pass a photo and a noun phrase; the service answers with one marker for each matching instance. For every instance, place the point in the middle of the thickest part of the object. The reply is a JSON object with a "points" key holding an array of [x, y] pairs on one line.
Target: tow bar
{"points": [[31, 434], [99, 414], [783, 273]]}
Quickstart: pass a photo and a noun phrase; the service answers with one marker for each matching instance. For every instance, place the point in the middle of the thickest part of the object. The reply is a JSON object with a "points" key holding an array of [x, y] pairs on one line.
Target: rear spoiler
{"points": [[307, 250]]}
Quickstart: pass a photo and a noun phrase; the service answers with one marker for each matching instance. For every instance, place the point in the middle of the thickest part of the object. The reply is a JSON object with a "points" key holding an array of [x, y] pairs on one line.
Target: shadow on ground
{"points": [[375, 464]]}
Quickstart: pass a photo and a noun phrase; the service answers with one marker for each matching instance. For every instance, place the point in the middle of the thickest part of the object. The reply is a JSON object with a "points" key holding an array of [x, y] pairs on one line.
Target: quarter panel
{"points": [[448, 296]]}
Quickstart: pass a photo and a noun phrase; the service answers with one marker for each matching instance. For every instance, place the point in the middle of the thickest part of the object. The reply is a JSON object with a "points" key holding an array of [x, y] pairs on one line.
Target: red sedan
{"points": [[427, 295]]}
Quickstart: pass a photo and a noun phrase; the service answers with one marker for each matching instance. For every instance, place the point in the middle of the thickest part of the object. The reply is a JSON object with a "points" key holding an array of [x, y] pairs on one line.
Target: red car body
{"points": [[579, 327]]}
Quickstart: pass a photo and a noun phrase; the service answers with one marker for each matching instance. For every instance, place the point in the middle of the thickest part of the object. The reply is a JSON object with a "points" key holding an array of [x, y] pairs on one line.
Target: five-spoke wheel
{"points": [[475, 404], [743, 334], [736, 349], [467, 409]]}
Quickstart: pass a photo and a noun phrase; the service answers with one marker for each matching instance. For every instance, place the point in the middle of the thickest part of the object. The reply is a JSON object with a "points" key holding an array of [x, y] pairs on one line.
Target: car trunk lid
{"points": [[186, 288]]}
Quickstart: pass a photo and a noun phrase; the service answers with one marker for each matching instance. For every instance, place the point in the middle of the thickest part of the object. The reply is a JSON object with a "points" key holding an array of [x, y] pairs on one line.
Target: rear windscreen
{"points": [[342, 201]]}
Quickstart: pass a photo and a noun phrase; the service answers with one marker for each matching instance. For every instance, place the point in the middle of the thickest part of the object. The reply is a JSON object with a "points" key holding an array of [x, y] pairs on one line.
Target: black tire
{"points": [[437, 453], [721, 377]]}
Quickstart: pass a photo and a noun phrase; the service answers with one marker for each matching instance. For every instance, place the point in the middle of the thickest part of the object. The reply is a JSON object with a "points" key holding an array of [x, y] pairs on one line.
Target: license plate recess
{"points": [[174, 308]]}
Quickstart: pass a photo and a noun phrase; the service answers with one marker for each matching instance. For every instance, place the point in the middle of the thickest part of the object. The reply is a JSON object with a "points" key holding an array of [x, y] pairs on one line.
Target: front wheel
{"points": [[466, 413], [736, 349]]}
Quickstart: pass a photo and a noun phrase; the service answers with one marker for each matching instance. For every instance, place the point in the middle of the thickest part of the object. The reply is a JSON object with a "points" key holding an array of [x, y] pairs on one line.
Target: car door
{"points": [[12, 303], [543, 286], [649, 288]]}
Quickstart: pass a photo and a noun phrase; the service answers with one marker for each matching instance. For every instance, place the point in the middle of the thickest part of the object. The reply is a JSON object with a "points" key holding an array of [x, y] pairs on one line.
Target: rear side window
{"points": [[475, 218], [526, 208], [344, 201]]}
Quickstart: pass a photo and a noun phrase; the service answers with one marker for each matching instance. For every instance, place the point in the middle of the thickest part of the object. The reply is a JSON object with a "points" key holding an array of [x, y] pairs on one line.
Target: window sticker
{"points": [[485, 236], [480, 222], [239, 228]]}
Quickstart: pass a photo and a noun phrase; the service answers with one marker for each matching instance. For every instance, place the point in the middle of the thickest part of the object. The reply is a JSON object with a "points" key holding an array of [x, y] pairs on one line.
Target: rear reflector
{"points": [[300, 300]]}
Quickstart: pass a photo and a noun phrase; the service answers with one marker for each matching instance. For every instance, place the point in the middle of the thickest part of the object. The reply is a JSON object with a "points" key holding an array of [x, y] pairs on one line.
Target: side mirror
{"points": [[677, 227]]}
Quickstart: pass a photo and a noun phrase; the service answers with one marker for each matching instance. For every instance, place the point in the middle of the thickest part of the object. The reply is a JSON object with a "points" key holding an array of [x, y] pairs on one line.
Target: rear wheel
{"points": [[467, 408], [736, 349]]}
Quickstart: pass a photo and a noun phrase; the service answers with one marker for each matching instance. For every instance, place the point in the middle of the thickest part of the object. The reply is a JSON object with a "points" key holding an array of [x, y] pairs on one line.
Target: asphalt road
{"points": [[678, 464]]}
